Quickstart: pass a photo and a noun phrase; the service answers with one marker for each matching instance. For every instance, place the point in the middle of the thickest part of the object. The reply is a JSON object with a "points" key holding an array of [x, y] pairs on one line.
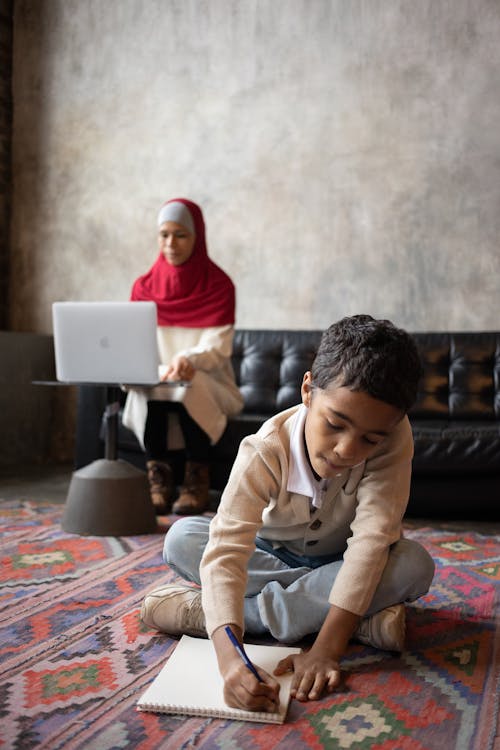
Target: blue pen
{"points": [[241, 651]]}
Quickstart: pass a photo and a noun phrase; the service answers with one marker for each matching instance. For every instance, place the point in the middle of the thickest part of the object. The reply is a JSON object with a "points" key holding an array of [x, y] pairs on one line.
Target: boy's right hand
{"points": [[241, 688]]}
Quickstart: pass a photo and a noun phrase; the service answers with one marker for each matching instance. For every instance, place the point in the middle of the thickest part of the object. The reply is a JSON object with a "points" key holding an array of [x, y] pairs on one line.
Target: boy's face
{"points": [[343, 427]]}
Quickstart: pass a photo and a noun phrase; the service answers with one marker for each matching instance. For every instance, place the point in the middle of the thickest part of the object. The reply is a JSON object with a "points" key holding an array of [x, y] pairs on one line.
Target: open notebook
{"points": [[190, 682]]}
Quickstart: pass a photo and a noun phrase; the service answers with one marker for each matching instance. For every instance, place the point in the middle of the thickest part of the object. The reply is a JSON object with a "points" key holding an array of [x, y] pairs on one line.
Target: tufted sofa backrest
{"points": [[461, 375], [269, 367], [461, 371]]}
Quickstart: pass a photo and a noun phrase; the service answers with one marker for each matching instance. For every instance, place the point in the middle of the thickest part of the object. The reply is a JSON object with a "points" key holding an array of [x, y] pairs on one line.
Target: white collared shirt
{"points": [[301, 479]]}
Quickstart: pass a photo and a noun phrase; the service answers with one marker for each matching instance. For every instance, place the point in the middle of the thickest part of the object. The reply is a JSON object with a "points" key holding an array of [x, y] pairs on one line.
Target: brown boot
{"points": [[193, 498], [161, 486]]}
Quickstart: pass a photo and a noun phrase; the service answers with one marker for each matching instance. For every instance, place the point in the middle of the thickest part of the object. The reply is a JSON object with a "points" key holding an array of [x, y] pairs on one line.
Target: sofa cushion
{"points": [[236, 430], [461, 447]]}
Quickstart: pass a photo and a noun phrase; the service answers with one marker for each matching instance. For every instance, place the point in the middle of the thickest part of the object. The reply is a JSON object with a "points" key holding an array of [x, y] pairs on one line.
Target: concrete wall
{"points": [[346, 153]]}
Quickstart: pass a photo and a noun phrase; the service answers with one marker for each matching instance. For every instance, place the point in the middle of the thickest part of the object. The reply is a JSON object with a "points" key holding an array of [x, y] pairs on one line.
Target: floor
{"points": [[51, 483], [37, 483]]}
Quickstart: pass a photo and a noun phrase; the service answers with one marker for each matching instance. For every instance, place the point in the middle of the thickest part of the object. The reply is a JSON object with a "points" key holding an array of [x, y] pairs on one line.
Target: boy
{"points": [[308, 534]]}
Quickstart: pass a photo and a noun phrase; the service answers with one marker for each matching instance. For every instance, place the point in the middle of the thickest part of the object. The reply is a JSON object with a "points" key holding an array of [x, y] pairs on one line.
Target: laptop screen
{"points": [[105, 342]]}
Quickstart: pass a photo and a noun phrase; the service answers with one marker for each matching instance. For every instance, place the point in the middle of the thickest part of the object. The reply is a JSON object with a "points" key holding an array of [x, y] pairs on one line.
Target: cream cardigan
{"points": [[361, 516], [213, 394]]}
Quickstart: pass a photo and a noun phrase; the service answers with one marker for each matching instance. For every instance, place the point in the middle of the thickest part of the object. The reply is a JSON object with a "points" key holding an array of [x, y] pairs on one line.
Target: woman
{"points": [[196, 308]]}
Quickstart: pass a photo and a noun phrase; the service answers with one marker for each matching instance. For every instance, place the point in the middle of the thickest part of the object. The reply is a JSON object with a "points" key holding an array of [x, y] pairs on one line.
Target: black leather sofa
{"points": [[455, 422]]}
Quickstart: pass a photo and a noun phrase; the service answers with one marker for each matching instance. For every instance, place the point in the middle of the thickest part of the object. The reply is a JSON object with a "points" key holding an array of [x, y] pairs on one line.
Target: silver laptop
{"points": [[105, 342]]}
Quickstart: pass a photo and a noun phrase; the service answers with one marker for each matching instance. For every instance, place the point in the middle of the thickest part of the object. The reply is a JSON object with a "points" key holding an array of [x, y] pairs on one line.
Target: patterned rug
{"points": [[74, 657]]}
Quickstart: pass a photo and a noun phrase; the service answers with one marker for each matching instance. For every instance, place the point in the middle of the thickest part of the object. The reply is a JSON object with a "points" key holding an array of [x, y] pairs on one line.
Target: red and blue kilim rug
{"points": [[74, 657]]}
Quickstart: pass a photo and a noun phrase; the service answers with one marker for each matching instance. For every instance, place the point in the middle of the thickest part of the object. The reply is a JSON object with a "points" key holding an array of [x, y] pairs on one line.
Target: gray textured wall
{"points": [[346, 153]]}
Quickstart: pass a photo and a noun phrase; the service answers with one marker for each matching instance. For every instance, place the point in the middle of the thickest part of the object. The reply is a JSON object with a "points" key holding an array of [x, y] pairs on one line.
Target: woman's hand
{"points": [[315, 672], [179, 369]]}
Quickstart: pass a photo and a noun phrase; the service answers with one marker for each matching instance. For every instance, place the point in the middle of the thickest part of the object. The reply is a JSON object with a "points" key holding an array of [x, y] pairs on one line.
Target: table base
{"points": [[109, 498]]}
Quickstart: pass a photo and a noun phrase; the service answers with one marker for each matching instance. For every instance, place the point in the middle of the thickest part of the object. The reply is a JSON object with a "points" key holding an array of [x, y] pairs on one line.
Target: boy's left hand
{"points": [[315, 671]]}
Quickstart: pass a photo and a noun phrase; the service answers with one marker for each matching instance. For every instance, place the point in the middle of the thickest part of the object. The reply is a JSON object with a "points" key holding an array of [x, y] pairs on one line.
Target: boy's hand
{"points": [[318, 670], [241, 688], [315, 672]]}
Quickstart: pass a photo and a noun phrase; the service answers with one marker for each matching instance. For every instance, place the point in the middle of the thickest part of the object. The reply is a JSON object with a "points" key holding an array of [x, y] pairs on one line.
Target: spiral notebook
{"points": [[190, 682]]}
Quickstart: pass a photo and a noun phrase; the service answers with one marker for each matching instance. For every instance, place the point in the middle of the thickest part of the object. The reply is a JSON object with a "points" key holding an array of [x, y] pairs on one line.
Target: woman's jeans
{"points": [[287, 594]]}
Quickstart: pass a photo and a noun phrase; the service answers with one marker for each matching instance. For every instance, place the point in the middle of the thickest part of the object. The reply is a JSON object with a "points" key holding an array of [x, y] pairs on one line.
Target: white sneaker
{"points": [[174, 609], [385, 629]]}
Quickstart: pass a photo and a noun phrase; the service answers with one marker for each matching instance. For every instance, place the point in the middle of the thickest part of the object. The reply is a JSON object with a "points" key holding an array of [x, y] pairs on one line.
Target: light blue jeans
{"points": [[287, 594]]}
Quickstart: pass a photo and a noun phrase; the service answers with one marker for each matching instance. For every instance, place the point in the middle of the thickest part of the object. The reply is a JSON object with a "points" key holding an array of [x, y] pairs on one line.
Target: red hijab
{"points": [[196, 294]]}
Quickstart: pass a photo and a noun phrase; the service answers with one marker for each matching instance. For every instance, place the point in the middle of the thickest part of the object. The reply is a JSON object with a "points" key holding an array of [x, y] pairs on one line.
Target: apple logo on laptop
{"points": [[104, 342]]}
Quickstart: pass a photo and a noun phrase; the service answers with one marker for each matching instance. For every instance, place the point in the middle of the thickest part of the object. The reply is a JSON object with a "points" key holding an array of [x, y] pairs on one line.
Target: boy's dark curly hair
{"points": [[365, 354]]}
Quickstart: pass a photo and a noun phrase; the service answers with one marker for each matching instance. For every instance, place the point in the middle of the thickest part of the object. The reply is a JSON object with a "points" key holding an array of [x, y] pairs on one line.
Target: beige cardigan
{"points": [[361, 517], [213, 394]]}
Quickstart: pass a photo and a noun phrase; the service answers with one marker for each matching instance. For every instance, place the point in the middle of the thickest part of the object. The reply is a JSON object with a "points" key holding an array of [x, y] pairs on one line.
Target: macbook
{"points": [[106, 342]]}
